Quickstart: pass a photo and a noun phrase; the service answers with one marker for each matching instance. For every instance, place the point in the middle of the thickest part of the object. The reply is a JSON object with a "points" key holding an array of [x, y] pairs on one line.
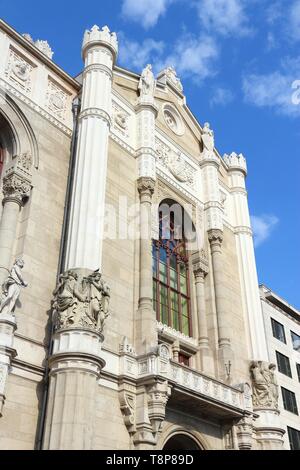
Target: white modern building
{"points": [[282, 329]]}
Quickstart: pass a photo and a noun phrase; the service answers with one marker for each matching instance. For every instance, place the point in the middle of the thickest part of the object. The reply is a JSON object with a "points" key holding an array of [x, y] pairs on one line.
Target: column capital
{"points": [[17, 179], [200, 265], [244, 432], [215, 237], [146, 186], [15, 188]]}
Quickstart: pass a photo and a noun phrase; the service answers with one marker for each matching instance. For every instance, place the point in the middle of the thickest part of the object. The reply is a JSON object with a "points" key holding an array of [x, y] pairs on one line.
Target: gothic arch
{"points": [[16, 133], [174, 432]]}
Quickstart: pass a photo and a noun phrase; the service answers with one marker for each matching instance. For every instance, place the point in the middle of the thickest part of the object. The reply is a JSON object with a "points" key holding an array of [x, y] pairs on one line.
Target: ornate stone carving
{"points": [[81, 299], [158, 395], [44, 47], [264, 385], [146, 185], [127, 399], [244, 433], [215, 237], [175, 163], [126, 347], [57, 100], [104, 35], [236, 162], [208, 140], [15, 187], [147, 85], [200, 264], [169, 75], [11, 288], [19, 71], [120, 119]]}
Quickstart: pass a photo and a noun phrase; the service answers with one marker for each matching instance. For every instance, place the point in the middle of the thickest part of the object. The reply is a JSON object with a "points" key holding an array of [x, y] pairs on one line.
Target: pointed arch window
{"points": [[171, 291]]}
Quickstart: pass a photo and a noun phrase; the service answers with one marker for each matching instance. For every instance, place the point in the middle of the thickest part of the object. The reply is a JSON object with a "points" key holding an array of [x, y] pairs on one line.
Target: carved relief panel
{"points": [[57, 99], [19, 71]]}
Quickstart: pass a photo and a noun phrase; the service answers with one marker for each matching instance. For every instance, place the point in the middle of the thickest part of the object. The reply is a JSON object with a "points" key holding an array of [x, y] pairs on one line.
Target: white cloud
{"points": [[262, 227], [293, 27], [136, 55], [193, 57], [274, 90], [221, 97], [226, 17], [146, 12]]}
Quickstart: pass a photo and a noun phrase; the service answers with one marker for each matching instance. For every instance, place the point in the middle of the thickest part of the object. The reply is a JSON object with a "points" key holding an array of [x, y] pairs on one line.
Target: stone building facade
{"points": [[130, 315], [282, 330]]}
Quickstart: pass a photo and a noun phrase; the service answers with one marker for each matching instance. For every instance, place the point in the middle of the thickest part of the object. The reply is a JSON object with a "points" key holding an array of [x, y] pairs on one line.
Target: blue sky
{"points": [[237, 60]]}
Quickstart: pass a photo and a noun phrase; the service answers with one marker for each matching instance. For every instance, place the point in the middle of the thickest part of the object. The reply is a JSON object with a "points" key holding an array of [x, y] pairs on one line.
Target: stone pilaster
{"points": [[7, 352], [75, 366], [146, 334], [16, 189], [200, 269], [86, 229], [225, 354], [237, 170], [244, 433]]}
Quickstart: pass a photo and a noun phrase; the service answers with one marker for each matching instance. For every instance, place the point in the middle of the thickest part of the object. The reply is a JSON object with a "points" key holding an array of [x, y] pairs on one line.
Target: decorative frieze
{"points": [[175, 163], [120, 119], [19, 71], [56, 100]]}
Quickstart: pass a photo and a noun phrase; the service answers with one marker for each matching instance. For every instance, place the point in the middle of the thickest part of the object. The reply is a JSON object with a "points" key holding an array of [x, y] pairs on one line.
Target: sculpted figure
{"points": [[12, 287], [264, 384], [81, 301], [99, 295], [208, 139], [147, 82], [67, 295]]}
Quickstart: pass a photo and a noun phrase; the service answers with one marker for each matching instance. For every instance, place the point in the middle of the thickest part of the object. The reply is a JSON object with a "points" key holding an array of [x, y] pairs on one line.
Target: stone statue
{"points": [[11, 288], [264, 385], [147, 83], [208, 139], [81, 300]]}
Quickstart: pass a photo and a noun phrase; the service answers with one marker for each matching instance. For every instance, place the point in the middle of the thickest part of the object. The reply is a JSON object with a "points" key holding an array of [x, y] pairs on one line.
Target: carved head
{"points": [[20, 262]]}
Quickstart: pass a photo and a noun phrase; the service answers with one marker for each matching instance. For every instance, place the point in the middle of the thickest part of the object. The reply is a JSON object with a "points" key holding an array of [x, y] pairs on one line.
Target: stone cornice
{"points": [[16, 93]]}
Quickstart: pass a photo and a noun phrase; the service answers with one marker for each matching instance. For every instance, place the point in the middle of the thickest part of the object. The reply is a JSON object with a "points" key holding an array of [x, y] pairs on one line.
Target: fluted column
{"points": [[146, 337], [200, 268], [86, 229], [225, 354], [237, 170], [16, 187]]}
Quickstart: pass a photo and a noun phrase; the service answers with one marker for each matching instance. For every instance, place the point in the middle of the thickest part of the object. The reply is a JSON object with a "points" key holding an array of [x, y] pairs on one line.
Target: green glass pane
{"points": [[183, 284], [173, 279], [175, 320], [164, 314], [182, 269], [163, 272], [184, 306], [174, 301], [185, 326], [154, 290], [163, 295]]}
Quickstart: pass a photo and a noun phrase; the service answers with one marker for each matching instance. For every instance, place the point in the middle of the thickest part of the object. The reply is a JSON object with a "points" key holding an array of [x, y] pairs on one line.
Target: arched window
{"points": [[171, 292]]}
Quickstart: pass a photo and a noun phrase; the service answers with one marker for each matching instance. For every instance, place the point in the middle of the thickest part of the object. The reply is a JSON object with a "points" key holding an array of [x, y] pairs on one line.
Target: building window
{"points": [[294, 438], [295, 341], [183, 359], [278, 330], [171, 293], [289, 401], [283, 363], [298, 371]]}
